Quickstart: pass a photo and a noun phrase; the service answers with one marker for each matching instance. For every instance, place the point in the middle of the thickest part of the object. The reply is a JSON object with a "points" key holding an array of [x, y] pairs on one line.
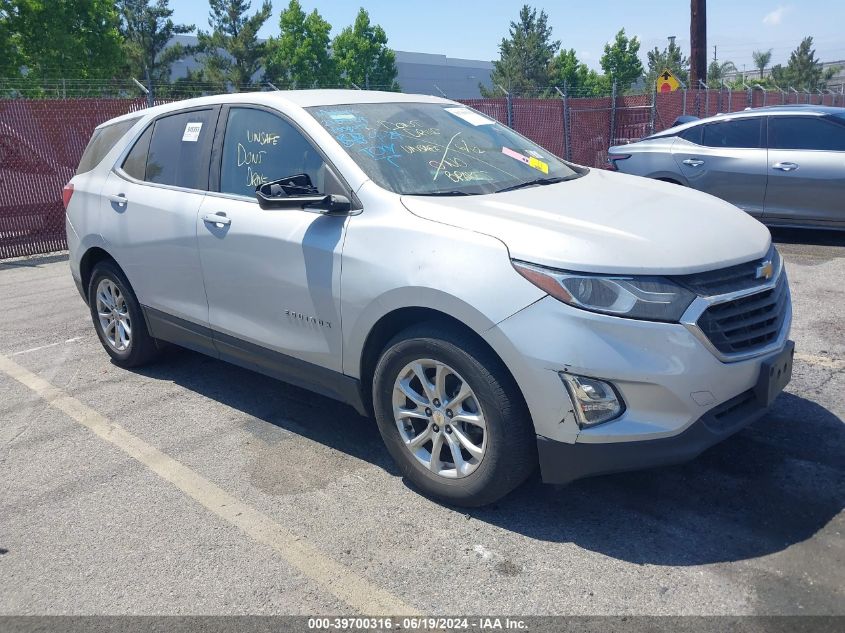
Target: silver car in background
{"points": [[785, 165]]}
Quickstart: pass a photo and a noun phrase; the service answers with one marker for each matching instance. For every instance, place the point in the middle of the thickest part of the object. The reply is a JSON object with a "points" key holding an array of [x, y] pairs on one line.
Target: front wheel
{"points": [[452, 417]]}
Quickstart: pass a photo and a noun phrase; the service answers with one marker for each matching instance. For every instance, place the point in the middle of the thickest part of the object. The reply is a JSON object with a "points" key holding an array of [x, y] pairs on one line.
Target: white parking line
{"points": [[340, 581], [35, 349]]}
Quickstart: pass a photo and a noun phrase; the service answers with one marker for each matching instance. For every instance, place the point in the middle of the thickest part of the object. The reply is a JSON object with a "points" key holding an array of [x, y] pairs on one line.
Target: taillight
{"points": [[67, 192], [612, 158]]}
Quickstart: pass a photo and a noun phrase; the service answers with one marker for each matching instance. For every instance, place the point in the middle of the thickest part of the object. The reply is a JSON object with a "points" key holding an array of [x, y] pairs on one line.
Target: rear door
{"points": [[806, 169], [149, 212], [726, 159]]}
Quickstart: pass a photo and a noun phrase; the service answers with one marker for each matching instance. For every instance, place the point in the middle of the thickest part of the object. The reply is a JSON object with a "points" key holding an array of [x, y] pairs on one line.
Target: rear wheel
{"points": [[117, 317], [452, 417]]}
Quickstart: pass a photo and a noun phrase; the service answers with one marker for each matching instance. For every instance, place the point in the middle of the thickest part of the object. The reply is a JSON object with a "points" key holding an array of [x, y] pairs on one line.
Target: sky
{"points": [[473, 29]]}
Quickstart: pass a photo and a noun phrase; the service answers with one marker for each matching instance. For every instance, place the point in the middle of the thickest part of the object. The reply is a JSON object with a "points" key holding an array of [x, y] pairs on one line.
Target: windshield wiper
{"points": [[533, 183], [444, 193]]}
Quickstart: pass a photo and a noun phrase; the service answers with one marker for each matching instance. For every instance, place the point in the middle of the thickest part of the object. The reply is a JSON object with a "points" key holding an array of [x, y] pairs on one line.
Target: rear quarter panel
{"points": [[82, 217]]}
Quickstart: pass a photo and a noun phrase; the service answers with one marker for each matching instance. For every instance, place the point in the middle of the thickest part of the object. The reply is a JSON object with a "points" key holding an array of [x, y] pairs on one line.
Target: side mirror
{"points": [[282, 194]]}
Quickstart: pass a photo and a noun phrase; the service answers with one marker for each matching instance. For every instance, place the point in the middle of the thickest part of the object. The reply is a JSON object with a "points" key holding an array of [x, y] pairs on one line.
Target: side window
{"points": [[259, 147], [693, 134], [806, 133], [136, 161], [740, 133], [101, 143], [180, 149]]}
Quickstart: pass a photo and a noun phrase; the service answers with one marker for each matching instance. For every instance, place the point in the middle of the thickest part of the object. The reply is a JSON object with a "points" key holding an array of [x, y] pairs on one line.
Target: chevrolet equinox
{"points": [[492, 306]]}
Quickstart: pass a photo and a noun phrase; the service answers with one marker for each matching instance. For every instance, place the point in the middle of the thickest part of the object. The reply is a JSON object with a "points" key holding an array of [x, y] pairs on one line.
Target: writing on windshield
{"points": [[420, 148]]}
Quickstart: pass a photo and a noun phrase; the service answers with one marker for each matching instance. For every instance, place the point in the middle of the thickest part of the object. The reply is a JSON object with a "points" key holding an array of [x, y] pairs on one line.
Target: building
{"points": [[455, 78], [424, 73]]}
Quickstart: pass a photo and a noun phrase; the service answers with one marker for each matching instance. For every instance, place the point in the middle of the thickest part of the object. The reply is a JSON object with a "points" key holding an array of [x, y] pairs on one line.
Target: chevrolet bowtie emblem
{"points": [[765, 270]]}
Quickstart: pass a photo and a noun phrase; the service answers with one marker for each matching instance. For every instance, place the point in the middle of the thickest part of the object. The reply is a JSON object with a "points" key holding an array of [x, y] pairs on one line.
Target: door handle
{"points": [[119, 199], [785, 166], [218, 219], [694, 162]]}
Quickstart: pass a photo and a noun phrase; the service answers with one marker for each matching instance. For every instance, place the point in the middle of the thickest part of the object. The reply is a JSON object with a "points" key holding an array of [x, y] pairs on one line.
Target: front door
{"points": [[806, 169], [272, 276]]}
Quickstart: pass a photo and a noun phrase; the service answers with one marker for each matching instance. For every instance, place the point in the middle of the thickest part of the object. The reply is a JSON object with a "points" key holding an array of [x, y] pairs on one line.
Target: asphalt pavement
{"points": [[196, 487]]}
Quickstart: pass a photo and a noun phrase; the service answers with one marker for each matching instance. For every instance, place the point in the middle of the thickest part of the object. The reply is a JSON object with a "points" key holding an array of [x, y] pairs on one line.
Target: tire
{"points": [[507, 443], [135, 346]]}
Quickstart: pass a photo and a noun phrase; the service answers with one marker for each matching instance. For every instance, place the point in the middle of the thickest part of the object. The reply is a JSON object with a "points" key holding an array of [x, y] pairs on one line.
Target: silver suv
{"points": [[493, 307]]}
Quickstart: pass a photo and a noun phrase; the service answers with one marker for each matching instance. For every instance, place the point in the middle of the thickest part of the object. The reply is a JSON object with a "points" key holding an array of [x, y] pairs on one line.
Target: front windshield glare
{"points": [[431, 149]]}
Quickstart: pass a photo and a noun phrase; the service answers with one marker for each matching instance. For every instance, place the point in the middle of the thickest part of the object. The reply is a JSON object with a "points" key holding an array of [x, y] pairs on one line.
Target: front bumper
{"points": [[561, 462]]}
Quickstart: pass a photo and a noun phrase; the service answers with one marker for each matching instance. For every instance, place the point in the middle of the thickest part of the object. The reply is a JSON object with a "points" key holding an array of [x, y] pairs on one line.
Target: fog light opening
{"points": [[595, 401]]}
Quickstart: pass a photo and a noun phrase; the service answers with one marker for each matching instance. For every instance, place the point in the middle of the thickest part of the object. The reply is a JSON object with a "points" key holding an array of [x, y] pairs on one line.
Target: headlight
{"points": [[635, 297]]}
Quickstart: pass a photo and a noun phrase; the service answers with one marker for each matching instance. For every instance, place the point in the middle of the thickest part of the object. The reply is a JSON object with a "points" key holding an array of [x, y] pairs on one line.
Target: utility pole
{"points": [[714, 52], [698, 41]]}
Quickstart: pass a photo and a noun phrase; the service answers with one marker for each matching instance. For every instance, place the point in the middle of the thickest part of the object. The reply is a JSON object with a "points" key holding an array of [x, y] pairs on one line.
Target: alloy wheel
{"points": [[439, 418], [113, 315]]}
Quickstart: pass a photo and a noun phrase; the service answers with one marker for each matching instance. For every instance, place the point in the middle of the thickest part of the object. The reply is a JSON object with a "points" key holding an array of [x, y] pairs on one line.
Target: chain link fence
{"points": [[42, 140]]}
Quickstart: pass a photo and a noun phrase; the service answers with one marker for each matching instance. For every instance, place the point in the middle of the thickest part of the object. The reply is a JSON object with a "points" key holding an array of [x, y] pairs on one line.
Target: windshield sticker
{"points": [[531, 152], [536, 163], [343, 117], [469, 116], [192, 132]]}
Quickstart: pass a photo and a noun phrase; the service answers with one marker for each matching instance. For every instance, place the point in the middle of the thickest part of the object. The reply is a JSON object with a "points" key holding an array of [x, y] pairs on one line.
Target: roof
{"points": [[776, 110], [799, 108], [290, 98]]}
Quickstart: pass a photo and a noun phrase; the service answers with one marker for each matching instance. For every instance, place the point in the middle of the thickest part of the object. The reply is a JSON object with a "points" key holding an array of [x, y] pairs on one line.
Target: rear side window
{"points": [[180, 148], [101, 143], [693, 134], [740, 133], [806, 133], [136, 161]]}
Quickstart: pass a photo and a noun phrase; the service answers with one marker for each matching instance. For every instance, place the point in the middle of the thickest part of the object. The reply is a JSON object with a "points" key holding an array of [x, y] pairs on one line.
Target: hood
{"points": [[606, 222]]}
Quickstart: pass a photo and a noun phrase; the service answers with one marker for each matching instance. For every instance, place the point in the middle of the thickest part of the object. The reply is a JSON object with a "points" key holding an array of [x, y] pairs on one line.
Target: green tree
{"points": [[301, 56], [524, 56], [72, 39], [716, 72], [9, 58], [803, 71], [193, 84], [621, 62], [761, 60], [363, 57], [671, 57], [231, 54], [579, 80], [147, 29]]}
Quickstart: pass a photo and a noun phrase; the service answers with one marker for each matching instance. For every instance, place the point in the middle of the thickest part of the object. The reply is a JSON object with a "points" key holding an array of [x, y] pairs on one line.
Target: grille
{"points": [[746, 324], [732, 279]]}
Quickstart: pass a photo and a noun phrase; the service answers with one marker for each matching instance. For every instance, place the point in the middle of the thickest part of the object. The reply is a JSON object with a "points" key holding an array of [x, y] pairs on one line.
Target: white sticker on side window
{"points": [[192, 132], [469, 116]]}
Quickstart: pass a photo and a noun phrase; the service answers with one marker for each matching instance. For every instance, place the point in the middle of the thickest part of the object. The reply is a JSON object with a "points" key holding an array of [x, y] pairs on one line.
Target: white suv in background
{"points": [[492, 306]]}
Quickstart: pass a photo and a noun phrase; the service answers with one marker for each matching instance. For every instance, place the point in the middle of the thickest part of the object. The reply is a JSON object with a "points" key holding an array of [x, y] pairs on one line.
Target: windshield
{"points": [[438, 149]]}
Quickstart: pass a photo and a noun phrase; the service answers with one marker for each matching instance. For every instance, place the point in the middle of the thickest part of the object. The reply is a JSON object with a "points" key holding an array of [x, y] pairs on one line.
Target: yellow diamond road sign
{"points": [[666, 81]]}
